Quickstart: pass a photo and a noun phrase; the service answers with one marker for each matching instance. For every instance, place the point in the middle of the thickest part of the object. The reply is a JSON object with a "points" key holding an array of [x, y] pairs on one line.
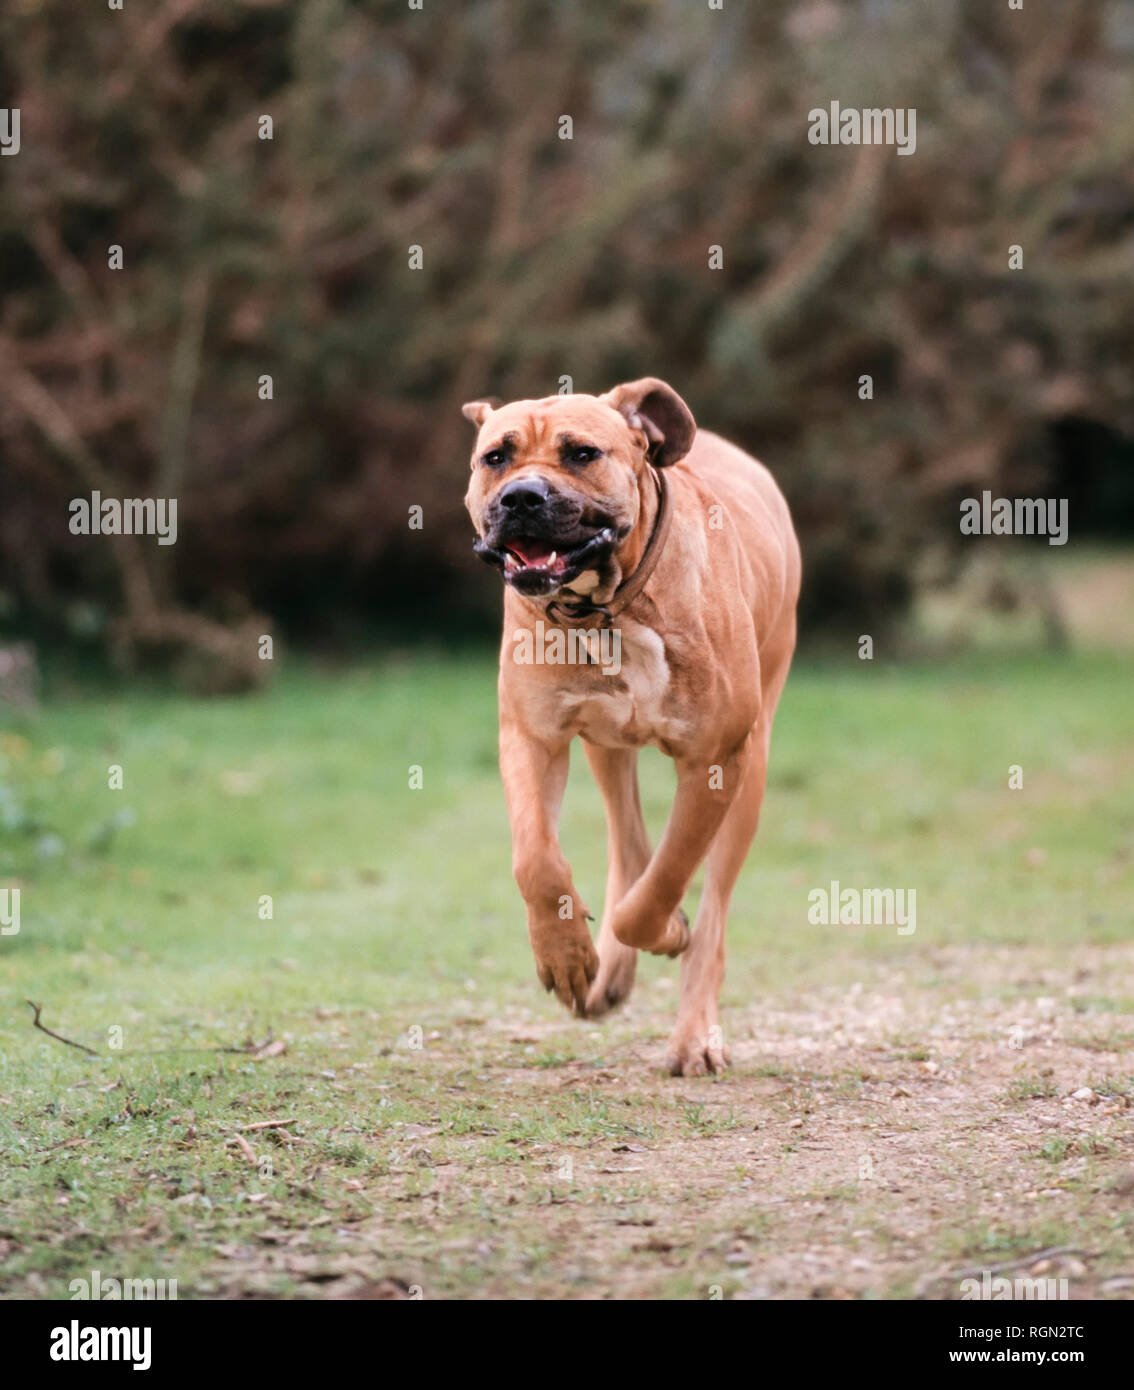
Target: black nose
{"points": [[524, 496]]}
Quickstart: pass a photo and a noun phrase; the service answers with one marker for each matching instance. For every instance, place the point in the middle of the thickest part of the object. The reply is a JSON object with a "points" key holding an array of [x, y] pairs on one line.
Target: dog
{"points": [[615, 516]]}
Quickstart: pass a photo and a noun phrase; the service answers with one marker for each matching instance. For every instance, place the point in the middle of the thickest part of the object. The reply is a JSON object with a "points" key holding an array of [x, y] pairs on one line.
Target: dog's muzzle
{"points": [[542, 539]]}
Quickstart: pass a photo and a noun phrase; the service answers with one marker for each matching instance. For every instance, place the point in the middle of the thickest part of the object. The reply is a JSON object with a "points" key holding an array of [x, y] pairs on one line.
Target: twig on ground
{"points": [[243, 1145], [1033, 1258], [267, 1048], [43, 1028]]}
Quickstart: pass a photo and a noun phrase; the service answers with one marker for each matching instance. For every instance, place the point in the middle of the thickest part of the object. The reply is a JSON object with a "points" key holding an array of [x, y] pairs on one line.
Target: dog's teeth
{"points": [[551, 559]]}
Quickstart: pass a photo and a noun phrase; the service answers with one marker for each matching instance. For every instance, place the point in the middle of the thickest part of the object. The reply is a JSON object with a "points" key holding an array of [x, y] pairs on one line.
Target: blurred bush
{"points": [[395, 127]]}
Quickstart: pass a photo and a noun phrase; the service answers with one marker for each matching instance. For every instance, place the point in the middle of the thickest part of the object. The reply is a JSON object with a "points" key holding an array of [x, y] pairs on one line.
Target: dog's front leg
{"points": [[534, 777], [706, 787], [628, 852]]}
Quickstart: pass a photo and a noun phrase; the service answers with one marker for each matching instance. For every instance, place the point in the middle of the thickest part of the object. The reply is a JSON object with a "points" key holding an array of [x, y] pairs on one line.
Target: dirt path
{"points": [[886, 1139]]}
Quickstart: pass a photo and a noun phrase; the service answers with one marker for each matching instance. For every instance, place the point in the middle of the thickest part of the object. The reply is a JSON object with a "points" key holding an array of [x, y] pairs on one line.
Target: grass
{"points": [[431, 1091]]}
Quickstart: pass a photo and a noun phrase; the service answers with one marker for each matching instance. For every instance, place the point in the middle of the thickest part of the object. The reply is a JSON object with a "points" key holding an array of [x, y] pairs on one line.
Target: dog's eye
{"points": [[583, 453], [494, 458]]}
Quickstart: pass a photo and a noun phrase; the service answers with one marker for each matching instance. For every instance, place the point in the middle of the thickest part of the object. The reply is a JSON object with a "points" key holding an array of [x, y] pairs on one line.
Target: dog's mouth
{"points": [[529, 554], [536, 565]]}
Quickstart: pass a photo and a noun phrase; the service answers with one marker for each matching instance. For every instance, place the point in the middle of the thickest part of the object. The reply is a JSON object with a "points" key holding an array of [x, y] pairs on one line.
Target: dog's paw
{"points": [[567, 963], [678, 934], [696, 1049], [636, 923], [615, 977]]}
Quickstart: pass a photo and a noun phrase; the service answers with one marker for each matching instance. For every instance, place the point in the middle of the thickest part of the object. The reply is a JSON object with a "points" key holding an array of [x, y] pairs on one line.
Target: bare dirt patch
{"points": [[880, 1140]]}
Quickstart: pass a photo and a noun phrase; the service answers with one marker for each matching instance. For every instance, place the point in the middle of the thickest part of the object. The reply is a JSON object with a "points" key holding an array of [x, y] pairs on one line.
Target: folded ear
{"points": [[477, 411], [655, 407]]}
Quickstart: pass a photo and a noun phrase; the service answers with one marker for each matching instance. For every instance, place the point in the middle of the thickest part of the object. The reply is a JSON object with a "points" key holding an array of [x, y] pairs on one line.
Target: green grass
{"points": [[395, 922]]}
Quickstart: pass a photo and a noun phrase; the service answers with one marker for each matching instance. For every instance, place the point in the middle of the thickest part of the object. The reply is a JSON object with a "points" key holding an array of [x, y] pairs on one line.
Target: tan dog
{"points": [[616, 521]]}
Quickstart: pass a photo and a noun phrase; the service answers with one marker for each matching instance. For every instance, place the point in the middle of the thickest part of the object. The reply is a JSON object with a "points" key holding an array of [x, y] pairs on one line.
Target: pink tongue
{"points": [[531, 552]]}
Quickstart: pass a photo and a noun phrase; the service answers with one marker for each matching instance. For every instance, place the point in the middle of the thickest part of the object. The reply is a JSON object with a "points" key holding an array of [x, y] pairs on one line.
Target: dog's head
{"points": [[556, 483]]}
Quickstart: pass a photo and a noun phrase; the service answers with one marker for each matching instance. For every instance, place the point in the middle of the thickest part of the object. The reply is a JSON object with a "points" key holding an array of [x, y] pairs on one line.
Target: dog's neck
{"points": [[629, 554], [593, 596], [599, 589]]}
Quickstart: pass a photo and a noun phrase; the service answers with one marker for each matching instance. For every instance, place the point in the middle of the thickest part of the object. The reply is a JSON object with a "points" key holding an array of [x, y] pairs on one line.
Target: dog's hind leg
{"points": [[697, 1045], [628, 852]]}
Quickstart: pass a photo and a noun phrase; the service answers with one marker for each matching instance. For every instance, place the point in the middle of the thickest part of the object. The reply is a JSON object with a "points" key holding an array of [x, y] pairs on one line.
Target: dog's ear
{"points": [[478, 411], [655, 407]]}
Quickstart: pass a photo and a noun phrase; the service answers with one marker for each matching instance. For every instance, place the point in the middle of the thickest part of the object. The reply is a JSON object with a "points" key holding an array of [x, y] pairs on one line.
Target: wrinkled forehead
{"points": [[548, 422]]}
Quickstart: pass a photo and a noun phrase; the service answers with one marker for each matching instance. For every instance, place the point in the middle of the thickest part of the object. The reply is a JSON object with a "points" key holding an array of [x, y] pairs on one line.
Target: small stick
{"points": [[57, 1036], [243, 1145], [1047, 1254], [265, 1124], [249, 1049], [1034, 1258]]}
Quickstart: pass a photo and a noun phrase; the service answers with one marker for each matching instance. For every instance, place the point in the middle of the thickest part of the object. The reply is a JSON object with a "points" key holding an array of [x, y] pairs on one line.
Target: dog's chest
{"points": [[628, 708]]}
